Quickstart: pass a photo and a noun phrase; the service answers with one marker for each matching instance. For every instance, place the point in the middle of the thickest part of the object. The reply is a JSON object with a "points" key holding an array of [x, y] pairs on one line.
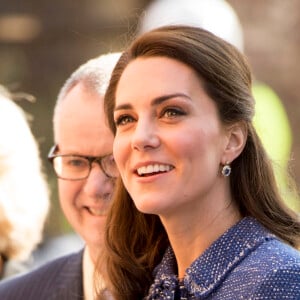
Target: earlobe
{"points": [[237, 137]]}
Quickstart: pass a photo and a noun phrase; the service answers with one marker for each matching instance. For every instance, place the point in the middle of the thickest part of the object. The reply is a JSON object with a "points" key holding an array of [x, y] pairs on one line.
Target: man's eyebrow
{"points": [[155, 101]]}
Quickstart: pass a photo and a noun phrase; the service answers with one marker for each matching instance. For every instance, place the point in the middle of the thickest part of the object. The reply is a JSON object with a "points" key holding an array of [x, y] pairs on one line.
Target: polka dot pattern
{"points": [[246, 262]]}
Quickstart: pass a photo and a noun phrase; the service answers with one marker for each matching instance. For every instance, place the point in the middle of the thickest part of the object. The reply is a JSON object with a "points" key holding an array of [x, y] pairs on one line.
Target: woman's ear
{"points": [[237, 137]]}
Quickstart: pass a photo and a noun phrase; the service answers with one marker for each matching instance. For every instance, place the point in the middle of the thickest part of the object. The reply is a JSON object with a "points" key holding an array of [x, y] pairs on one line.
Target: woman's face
{"points": [[169, 141]]}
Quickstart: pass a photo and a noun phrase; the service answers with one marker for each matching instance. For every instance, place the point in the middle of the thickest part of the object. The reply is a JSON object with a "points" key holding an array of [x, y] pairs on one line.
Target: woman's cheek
{"points": [[119, 151]]}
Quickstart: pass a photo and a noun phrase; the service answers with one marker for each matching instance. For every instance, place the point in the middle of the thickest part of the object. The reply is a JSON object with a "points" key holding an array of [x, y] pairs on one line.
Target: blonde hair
{"points": [[24, 195]]}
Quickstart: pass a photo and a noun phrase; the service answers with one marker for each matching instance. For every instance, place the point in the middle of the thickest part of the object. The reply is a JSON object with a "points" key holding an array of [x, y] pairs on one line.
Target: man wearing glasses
{"points": [[86, 171]]}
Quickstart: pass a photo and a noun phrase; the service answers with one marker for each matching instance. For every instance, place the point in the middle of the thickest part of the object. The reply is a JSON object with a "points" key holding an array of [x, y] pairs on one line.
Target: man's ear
{"points": [[237, 137]]}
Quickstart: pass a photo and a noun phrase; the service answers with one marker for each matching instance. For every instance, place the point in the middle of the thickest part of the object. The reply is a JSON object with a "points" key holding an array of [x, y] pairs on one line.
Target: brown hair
{"points": [[136, 241]]}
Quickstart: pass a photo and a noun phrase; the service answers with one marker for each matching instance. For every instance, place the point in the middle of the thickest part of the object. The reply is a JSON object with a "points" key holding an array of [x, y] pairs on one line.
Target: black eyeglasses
{"points": [[78, 167]]}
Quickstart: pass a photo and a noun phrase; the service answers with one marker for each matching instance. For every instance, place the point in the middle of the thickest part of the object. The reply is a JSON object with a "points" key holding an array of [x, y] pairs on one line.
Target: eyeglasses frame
{"points": [[91, 159]]}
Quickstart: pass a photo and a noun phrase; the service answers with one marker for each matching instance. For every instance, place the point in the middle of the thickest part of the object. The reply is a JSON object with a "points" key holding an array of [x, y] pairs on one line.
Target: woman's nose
{"points": [[145, 136]]}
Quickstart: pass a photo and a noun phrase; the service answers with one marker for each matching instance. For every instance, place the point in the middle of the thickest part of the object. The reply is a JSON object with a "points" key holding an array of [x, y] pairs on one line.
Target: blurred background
{"points": [[42, 42]]}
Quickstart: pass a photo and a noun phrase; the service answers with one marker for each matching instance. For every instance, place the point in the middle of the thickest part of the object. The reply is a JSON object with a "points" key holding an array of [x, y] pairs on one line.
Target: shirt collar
{"points": [[88, 272]]}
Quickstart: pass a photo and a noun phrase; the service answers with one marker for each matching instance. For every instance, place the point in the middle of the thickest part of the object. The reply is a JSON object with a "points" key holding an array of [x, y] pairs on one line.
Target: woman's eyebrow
{"points": [[161, 99], [155, 101]]}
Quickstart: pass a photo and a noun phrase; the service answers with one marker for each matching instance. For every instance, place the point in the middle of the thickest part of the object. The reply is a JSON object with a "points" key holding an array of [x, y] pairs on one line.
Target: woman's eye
{"points": [[123, 120], [173, 112]]}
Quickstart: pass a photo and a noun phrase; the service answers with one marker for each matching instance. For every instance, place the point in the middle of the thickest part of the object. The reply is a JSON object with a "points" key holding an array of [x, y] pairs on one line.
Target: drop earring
{"points": [[226, 170]]}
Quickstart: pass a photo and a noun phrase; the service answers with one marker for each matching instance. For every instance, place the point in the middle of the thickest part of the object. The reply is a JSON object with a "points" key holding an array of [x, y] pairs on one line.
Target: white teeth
{"points": [[149, 169], [141, 170], [153, 169], [97, 212]]}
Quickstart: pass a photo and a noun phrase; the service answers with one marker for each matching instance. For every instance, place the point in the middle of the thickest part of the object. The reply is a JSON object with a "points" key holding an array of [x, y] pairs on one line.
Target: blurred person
{"points": [[270, 120], [83, 162], [216, 16], [24, 194], [198, 212]]}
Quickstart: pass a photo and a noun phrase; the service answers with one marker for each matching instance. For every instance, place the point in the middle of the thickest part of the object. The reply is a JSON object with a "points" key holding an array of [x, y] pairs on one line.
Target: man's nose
{"points": [[98, 185]]}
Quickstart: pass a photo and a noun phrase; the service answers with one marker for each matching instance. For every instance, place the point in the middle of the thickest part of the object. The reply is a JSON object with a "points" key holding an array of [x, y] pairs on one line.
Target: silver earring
{"points": [[226, 170]]}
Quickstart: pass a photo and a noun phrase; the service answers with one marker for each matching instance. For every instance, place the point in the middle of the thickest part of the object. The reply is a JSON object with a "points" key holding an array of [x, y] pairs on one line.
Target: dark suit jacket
{"points": [[60, 279]]}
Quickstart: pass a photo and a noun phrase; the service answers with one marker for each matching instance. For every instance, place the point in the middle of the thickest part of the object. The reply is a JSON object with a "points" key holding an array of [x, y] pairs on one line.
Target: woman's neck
{"points": [[191, 237]]}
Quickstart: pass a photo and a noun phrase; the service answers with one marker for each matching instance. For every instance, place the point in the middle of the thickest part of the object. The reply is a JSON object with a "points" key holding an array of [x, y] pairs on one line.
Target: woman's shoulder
{"points": [[281, 265], [271, 271], [272, 259], [277, 253]]}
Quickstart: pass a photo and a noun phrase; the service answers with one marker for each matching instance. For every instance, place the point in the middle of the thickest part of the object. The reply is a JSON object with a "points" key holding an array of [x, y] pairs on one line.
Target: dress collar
{"points": [[209, 270]]}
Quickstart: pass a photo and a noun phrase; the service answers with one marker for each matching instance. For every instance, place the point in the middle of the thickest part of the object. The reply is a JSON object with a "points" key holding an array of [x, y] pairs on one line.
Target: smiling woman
{"points": [[197, 213]]}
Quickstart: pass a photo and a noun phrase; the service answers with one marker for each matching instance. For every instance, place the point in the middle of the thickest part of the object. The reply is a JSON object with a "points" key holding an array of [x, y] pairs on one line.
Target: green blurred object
{"points": [[273, 127]]}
